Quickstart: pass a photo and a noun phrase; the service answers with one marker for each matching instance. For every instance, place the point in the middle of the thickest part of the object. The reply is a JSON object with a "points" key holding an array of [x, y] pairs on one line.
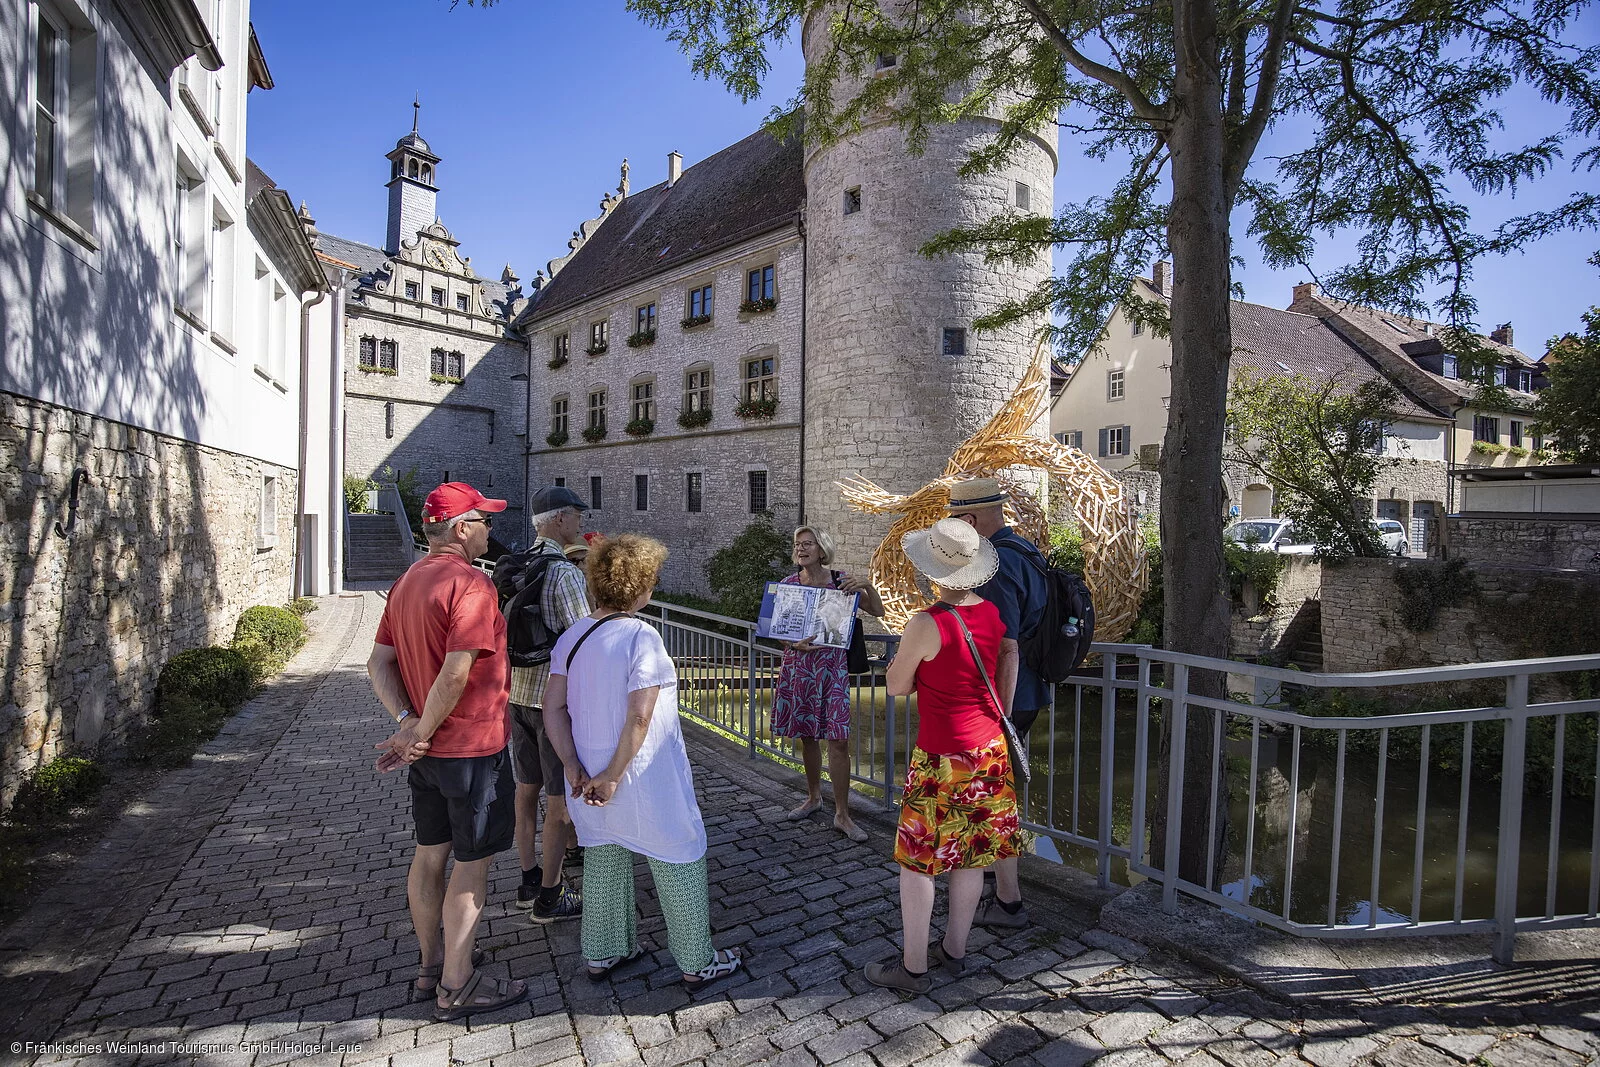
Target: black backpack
{"points": [[520, 579], [1064, 629]]}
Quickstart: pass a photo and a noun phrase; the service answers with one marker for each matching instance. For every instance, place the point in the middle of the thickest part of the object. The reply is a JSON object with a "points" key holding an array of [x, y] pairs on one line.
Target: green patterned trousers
{"points": [[610, 920]]}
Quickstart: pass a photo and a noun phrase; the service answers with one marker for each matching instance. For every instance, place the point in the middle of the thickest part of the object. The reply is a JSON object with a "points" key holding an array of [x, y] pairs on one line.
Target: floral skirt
{"points": [[958, 811]]}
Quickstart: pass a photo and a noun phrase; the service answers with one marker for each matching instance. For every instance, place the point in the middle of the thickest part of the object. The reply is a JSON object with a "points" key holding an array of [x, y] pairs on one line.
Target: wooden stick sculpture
{"points": [[1115, 567]]}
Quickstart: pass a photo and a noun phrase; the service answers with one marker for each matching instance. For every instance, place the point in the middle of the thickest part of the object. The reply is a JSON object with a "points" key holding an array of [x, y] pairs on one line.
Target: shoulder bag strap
{"points": [[972, 647], [598, 623]]}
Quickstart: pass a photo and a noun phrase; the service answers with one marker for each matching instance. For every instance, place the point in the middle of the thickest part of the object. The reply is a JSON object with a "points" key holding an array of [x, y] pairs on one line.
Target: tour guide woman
{"points": [[959, 811], [611, 710], [812, 697]]}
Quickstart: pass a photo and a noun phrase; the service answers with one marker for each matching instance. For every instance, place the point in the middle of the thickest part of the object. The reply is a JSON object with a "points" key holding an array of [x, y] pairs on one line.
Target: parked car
{"points": [[1393, 536], [1278, 535], [1269, 535]]}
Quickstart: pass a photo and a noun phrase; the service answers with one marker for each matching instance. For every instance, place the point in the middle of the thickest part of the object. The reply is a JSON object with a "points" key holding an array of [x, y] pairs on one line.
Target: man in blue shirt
{"points": [[1019, 591]]}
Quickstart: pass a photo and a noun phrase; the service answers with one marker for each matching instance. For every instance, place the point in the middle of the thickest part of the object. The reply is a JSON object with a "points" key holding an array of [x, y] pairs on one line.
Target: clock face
{"points": [[437, 257]]}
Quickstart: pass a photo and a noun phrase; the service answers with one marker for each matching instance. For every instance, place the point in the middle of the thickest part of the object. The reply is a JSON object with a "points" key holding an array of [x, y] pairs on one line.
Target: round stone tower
{"points": [[895, 376]]}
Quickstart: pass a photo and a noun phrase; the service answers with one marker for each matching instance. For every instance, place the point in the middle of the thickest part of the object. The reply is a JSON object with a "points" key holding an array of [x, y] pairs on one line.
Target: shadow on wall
{"points": [[90, 617]]}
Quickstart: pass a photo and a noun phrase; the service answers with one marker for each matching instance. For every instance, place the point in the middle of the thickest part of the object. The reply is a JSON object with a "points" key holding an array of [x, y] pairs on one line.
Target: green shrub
{"points": [[355, 493], [1254, 567], [267, 637], [739, 573], [213, 674], [184, 723], [63, 783], [1066, 547], [303, 605]]}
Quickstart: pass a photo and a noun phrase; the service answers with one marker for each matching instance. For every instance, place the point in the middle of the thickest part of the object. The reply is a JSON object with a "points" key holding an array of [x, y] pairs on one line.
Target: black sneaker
{"points": [[528, 891], [567, 905]]}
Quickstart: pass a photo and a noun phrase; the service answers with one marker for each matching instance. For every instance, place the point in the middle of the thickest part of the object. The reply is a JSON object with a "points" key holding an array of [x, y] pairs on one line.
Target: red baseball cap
{"points": [[456, 498]]}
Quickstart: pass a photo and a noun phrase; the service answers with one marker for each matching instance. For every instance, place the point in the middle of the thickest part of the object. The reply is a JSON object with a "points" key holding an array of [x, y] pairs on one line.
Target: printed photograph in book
{"points": [[792, 612]]}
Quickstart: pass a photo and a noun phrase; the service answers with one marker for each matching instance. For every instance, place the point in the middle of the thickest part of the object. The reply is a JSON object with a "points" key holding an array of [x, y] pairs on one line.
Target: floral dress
{"points": [[812, 698]]}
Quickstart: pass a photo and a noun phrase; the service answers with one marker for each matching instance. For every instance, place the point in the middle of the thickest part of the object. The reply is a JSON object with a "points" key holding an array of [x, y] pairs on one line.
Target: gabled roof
{"points": [[368, 260], [743, 191], [272, 219], [1395, 340]]}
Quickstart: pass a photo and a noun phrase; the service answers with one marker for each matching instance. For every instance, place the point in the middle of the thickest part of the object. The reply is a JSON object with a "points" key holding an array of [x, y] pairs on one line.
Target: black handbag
{"points": [[856, 660]]}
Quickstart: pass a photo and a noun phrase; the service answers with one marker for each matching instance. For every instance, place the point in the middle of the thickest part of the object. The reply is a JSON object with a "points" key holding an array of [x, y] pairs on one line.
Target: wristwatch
{"points": [[403, 715]]}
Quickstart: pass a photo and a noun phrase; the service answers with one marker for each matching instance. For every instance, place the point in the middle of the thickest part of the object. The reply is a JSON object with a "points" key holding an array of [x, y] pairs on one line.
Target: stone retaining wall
{"points": [[1257, 632], [1500, 613], [1535, 541], [163, 556]]}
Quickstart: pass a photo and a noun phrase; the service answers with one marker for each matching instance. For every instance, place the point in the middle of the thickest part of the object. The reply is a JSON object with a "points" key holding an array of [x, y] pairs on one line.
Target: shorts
{"points": [[466, 802], [533, 758], [958, 812]]}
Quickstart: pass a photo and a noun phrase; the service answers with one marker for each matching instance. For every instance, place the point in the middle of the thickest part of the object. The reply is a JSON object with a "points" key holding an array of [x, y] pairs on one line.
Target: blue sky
{"points": [[533, 104]]}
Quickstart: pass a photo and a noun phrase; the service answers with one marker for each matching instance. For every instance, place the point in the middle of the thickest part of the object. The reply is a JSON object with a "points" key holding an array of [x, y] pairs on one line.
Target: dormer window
{"points": [[1525, 381], [1451, 367]]}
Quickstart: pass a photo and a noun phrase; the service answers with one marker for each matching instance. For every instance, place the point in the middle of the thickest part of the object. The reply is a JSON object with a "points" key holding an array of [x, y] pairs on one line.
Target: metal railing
{"points": [[1326, 825]]}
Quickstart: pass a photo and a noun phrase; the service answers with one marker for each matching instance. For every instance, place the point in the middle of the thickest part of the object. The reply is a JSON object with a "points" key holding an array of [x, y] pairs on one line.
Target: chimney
{"points": [[674, 168], [1502, 334], [1305, 291], [1158, 275]]}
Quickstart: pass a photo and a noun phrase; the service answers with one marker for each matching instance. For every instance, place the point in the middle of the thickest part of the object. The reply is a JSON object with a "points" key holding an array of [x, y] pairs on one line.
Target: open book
{"points": [[792, 612]]}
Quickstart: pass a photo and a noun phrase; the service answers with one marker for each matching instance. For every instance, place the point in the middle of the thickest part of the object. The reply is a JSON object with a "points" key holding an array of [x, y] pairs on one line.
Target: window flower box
{"points": [[444, 379], [390, 371], [642, 338], [556, 438], [756, 409], [597, 349], [558, 363], [695, 320], [1488, 448], [640, 428], [757, 307], [594, 433], [691, 420]]}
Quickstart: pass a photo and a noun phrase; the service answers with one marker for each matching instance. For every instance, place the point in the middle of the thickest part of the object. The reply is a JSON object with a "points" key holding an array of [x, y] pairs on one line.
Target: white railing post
{"points": [[750, 688], [1178, 733], [1509, 848], [1108, 724]]}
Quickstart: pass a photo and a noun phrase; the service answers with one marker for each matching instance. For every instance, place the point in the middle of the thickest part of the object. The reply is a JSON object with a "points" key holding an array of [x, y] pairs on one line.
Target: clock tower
{"points": [[412, 193]]}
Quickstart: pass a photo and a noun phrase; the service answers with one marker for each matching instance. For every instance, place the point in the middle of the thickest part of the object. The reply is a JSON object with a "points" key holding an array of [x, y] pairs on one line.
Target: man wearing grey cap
{"points": [[557, 519]]}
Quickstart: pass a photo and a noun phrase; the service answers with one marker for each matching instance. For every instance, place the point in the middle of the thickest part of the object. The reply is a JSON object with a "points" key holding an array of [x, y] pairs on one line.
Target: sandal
{"points": [[468, 1000], [895, 976], [724, 962], [432, 975], [599, 969]]}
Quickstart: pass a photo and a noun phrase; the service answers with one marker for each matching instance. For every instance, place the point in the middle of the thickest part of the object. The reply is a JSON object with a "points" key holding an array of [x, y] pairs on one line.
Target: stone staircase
{"points": [[1307, 650], [376, 552]]}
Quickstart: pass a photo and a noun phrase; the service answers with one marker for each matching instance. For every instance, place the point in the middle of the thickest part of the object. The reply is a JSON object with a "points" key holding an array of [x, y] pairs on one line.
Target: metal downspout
{"points": [[301, 579], [336, 438], [805, 292]]}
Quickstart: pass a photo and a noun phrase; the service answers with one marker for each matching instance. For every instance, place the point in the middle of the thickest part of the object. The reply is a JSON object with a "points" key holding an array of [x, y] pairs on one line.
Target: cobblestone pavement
{"points": [[259, 908]]}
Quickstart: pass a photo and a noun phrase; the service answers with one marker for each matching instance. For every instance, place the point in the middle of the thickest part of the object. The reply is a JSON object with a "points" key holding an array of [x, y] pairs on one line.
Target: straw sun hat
{"points": [[952, 554]]}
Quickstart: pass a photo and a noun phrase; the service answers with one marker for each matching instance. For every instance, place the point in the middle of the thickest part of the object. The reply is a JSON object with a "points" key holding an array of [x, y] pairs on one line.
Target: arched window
{"points": [[411, 171], [427, 174]]}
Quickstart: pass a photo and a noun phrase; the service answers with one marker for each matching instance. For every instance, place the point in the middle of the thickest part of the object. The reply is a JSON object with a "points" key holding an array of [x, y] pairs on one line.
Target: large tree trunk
{"points": [[1192, 500]]}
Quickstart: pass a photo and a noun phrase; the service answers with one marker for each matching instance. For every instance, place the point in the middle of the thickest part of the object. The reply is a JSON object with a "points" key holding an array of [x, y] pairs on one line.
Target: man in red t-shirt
{"points": [[439, 665]]}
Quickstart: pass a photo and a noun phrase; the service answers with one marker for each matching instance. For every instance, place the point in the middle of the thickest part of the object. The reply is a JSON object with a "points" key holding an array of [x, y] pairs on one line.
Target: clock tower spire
{"points": [[413, 196]]}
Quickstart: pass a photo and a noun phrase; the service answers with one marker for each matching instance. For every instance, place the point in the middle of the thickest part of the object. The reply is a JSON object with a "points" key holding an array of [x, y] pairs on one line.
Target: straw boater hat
{"points": [[952, 554], [975, 494]]}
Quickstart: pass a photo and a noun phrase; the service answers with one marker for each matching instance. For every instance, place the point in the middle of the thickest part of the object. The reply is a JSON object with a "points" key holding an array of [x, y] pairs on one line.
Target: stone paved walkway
{"points": [[252, 911]]}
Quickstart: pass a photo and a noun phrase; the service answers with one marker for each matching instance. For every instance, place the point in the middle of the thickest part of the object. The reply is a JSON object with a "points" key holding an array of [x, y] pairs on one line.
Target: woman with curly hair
{"points": [[959, 811], [611, 710]]}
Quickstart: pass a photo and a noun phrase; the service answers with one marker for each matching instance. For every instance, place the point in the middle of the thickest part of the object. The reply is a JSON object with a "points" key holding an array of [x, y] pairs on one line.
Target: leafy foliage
{"points": [[1569, 410], [1427, 586], [1319, 443], [50, 791], [218, 675], [740, 572], [268, 637], [355, 493]]}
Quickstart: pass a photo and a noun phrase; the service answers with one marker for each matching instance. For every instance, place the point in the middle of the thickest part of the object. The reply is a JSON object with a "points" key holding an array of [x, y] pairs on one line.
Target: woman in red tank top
{"points": [[959, 811]]}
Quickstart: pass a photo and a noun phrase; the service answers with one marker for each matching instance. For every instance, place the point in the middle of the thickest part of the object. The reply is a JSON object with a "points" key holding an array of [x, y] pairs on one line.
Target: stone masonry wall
{"points": [[162, 557], [1514, 613], [1259, 632], [1572, 544]]}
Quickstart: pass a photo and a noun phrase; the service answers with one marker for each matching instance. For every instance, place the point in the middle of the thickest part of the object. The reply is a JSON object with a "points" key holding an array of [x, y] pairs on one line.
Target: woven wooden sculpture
{"points": [[1115, 567]]}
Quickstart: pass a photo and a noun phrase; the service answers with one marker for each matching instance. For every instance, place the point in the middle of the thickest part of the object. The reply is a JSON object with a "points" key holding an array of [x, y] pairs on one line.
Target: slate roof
{"points": [[368, 259], [1395, 341], [1279, 343], [747, 189]]}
